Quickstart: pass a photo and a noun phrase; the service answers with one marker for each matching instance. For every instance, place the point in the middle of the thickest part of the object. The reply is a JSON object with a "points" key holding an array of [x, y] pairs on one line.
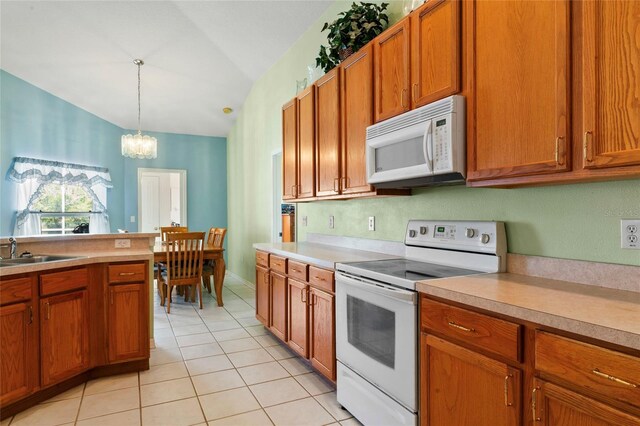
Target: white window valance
{"points": [[32, 175]]}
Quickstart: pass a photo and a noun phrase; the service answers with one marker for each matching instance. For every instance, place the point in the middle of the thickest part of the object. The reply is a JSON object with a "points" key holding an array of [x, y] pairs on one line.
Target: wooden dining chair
{"points": [[166, 230], [215, 239], [183, 264]]}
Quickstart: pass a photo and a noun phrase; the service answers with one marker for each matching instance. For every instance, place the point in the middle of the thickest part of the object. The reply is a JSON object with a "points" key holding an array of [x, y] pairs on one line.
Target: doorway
{"points": [[276, 209], [162, 198]]}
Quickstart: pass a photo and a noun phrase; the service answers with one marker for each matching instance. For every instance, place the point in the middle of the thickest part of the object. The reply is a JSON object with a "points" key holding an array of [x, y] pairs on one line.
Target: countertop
{"points": [[83, 258], [322, 255], [606, 314]]}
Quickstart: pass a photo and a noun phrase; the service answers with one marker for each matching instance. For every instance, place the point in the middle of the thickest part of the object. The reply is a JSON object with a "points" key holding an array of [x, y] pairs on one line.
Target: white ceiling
{"points": [[200, 56]]}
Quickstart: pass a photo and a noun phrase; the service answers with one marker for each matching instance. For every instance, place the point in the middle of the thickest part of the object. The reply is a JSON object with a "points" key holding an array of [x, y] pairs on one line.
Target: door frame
{"points": [[183, 192]]}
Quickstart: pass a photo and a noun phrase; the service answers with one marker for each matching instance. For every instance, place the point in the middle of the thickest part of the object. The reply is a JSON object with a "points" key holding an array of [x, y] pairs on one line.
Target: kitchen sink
{"points": [[34, 259]]}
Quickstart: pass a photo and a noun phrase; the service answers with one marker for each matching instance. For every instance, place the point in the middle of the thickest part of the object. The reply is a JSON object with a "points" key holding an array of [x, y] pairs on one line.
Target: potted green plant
{"points": [[353, 29]]}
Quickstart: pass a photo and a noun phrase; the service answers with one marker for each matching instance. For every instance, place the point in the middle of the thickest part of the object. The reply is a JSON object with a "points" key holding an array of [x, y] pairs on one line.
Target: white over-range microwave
{"points": [[422, 147]]}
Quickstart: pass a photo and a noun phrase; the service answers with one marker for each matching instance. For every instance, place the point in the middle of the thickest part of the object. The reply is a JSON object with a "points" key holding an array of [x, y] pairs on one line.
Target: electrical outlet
{"points": [[304, 221], [372, 223], [331, 222], [123, 243], [630, 234]]}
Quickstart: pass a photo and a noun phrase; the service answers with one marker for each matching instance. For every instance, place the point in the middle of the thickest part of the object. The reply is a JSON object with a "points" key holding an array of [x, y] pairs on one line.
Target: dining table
{"points": [[210, 252]]}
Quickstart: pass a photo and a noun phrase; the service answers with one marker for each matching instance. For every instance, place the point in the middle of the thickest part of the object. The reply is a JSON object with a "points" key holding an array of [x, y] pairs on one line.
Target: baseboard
{"points": [[239, 278]]}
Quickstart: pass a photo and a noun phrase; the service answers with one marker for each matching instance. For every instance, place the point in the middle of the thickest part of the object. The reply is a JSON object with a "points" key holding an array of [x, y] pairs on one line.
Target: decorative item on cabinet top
{"points": [[353, 29]]}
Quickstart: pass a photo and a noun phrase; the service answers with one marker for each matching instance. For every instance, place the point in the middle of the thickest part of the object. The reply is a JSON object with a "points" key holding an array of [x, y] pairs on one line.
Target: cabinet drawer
{"points": [[58, 282], [15, 290], [485, 332], [278, 264], [298, 270], [262, 259], [604, 371], [128, 272], [322, 279]]}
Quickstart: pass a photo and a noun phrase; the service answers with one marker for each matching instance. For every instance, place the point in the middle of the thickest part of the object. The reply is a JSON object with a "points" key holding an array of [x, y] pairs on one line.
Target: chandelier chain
{"points": [[139, 127]]}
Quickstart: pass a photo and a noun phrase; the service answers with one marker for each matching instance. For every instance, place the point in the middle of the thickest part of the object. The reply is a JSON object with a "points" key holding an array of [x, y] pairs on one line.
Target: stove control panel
{"points": [[480, 237]]}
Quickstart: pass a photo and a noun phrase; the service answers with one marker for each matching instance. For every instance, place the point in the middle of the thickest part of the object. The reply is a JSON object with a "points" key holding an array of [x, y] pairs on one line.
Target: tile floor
{"points": [[216, 366]]}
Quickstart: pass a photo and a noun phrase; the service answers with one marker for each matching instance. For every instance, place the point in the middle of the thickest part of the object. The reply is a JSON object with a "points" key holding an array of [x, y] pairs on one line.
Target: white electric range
{"points": [[377, 314]]}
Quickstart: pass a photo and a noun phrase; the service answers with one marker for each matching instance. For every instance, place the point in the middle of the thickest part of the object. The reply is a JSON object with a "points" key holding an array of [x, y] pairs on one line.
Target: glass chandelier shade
{"points": [[139, 146]]}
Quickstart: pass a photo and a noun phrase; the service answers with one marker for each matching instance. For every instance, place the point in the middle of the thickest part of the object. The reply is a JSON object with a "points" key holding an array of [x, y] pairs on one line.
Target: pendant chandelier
{"points": [[139, 145]]}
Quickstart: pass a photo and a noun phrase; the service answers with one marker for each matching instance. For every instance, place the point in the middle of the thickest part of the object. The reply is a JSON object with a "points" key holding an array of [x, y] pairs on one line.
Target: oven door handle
{"points": [[381, 289]]}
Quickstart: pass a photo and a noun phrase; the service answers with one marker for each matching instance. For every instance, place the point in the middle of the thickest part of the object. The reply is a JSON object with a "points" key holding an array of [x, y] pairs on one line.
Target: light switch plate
{"points": [[123, 243], [630, 234], [132, 219], [331, 222], [304, 220], [372, 223]]}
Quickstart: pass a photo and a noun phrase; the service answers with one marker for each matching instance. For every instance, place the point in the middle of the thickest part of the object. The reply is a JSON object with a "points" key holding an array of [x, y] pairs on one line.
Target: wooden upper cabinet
{"points": [[18, 352], [328, 134], [435, 51], [391, 71], [128, 322], [64, 334], [517, 111], [356, 82], [289, 149], [306, 143], [611, 83]]}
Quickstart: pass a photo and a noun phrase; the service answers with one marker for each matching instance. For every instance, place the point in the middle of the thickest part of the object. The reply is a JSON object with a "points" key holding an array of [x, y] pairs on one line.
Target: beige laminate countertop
{"points": [[601, 313], [83, 258], [322, 255]]}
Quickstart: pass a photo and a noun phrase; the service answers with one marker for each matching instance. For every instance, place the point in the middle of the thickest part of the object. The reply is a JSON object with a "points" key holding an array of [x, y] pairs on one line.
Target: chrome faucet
{"points": [[14, 247]]}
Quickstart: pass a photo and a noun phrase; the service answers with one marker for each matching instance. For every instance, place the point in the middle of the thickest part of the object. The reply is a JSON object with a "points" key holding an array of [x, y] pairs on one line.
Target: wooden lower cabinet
{"points": [[262, 295], [462, 387], [298, 324], [64, 333], [322, 332], [278, 307], [553, 405], [18, 352], [128, 322]]}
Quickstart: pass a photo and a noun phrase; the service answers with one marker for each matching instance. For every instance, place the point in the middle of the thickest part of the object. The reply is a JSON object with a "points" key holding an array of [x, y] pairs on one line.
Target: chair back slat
{"points": [[184, 257], [216, 237], [166, 230]]}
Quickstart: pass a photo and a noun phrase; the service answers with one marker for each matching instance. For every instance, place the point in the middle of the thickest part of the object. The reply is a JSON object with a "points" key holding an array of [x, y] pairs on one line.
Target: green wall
{"points": [[569, 221]]}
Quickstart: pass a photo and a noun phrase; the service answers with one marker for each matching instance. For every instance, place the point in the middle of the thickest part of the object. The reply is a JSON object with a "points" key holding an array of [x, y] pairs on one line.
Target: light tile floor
{"points": [[215, 366]]}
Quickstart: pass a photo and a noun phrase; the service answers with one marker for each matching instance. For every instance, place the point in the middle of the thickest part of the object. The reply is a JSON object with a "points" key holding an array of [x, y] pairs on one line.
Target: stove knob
{"points": [[470, 233], [424, 230], [485, 238], [412, 233]]}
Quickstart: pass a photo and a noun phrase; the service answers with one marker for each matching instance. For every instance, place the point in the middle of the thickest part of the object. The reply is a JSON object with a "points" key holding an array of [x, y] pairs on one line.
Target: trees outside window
{"points": [[63, 208]]}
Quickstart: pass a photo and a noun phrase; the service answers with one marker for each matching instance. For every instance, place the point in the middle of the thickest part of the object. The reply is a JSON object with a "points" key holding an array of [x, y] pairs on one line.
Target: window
{"points": [[63, 207]]}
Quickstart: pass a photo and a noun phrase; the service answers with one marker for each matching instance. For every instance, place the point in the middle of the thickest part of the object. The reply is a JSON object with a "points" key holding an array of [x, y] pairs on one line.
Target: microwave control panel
{"points": [[442, 155]]}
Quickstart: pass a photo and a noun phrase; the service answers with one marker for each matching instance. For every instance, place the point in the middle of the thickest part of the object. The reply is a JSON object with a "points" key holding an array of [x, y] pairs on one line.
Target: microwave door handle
{"points": [[426, 147]]}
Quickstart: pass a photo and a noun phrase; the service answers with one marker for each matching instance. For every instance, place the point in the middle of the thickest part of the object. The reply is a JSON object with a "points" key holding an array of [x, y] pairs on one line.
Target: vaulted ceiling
{"points": [[200, 56]]}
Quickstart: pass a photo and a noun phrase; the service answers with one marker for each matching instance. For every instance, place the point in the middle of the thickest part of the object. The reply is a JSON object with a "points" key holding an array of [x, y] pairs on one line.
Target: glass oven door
{"points": [[376, 335]]}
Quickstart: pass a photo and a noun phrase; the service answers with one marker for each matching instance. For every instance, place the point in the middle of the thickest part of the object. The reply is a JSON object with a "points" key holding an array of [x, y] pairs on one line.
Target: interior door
{"points": [[150, 207], [162, 198]]}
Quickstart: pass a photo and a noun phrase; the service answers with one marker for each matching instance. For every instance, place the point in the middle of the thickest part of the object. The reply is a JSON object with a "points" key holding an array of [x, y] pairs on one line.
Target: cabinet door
{"points": [[289, 149], [435, 51], [298, 317], [356, 80], [278, 306], [306, 144], [553, 405], [322, 332], [611, 83], [18, 352], [391, 71], [517, 115], [128, 329], [64, 335], [328, 134], [462, 387], [262, 295]]}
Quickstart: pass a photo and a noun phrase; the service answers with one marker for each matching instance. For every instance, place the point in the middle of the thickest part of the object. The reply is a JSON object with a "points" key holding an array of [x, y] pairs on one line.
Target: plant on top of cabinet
{"points": [[353, 29]]}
